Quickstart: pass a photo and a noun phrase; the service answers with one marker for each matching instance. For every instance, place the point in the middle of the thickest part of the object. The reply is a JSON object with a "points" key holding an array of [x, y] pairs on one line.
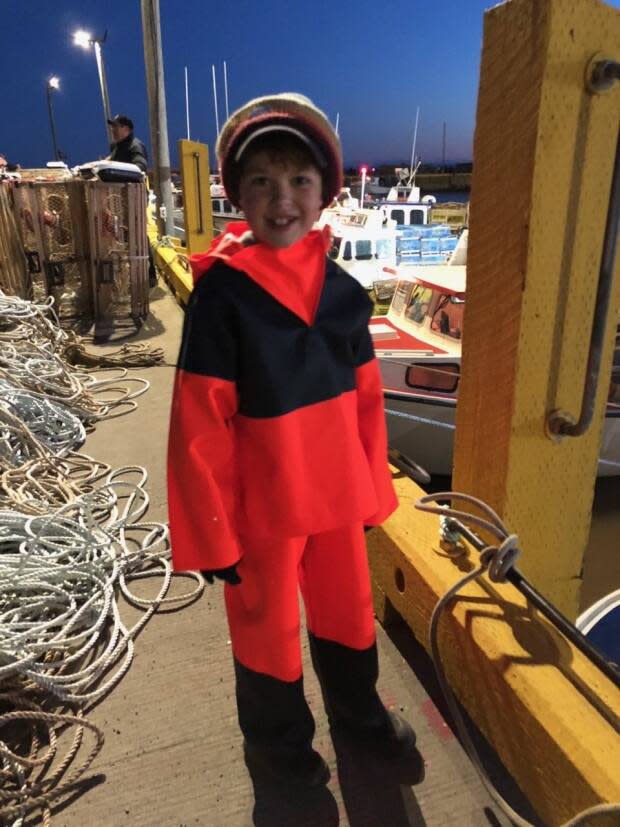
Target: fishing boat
{"points": [[363, 243], [418, 344], [371, 245], [222, 210]]}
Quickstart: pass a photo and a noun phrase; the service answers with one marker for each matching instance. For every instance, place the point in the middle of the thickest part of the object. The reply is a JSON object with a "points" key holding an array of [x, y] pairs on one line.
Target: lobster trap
{"points": [[119, 254], [82, 242], [51, 217], [14, 276]]}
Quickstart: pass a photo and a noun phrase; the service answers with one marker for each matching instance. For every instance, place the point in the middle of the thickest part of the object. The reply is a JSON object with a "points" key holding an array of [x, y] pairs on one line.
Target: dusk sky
{"points": [[373, 62]]}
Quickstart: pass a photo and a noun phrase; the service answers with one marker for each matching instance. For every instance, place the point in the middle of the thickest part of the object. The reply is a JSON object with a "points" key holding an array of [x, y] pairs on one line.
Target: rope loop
{"points": [[499, 560]]}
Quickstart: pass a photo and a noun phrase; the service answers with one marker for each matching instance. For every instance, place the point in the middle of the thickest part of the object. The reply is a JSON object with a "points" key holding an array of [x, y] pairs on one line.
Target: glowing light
{"points": [[83, 39], [54, 82]]}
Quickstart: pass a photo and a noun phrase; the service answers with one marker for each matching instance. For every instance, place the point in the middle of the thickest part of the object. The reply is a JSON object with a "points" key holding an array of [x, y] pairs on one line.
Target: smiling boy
{"points": [[277, 446]]}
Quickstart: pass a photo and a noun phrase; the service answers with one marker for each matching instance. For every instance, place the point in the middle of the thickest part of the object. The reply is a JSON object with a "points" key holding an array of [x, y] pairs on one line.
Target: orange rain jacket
{"points": [[277, 424]]}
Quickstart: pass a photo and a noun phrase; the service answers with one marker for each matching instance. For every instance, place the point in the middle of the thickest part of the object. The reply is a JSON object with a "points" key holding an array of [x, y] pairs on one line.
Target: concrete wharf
{"points": [[173, 753]]}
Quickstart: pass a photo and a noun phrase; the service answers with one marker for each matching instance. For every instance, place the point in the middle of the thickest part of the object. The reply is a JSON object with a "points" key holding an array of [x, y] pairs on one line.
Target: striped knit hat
{"points": [[286, 113]]}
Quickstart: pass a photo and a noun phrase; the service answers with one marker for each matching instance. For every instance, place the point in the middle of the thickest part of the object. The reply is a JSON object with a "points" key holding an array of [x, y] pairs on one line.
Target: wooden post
{"points": [[151, 32], [543, 157], [194, 158]]}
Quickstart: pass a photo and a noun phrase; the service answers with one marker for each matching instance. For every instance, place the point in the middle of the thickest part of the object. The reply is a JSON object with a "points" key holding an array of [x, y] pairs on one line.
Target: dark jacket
{"points": [[277, 426], [130, 150]]}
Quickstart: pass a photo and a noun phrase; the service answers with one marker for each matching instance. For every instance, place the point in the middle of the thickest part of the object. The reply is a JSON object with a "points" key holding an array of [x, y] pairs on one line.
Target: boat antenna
{"points": [[226, 89], [337, 122], [217, 120], [415, 137], [187, 103]]}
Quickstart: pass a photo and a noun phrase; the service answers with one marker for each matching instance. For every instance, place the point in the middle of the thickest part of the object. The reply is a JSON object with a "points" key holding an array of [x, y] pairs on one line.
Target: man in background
{"points": [[126, 147], [130, 150]]}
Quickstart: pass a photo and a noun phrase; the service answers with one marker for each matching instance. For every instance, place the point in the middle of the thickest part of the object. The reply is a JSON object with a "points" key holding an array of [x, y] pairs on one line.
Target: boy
{"points": [[277, 448]]}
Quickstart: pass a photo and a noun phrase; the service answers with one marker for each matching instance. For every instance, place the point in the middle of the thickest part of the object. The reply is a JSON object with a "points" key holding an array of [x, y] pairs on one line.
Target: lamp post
{"points": [[86, 40], [52, 83]]}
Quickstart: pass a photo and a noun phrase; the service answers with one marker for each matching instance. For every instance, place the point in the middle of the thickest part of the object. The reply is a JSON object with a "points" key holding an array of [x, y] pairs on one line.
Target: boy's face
{"points": [[281, 198]]}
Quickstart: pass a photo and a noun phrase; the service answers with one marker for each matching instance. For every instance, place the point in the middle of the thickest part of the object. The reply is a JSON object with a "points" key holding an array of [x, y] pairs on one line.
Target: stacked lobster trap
{"points": [[84, 243], [51, 220], [14, 276], [119, 254]]}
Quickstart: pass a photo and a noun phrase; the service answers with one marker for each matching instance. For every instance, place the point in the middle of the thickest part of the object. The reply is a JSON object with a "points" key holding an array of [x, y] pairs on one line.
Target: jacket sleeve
{"points": [[138, 156], [372, 428], [201, 451]]}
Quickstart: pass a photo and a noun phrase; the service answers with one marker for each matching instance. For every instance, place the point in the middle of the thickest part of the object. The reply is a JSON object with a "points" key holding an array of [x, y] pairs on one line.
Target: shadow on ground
{"points": [[374, 793]]}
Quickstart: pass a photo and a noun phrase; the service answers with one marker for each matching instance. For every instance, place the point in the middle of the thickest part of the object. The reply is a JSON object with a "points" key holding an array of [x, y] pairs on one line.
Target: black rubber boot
{"points": [[301, 769], [278, 728], [348, 679]]}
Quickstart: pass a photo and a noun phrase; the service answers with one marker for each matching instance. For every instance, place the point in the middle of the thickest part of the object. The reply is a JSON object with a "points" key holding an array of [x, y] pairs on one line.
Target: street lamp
{"points": [[86, 40], [52, 83]]}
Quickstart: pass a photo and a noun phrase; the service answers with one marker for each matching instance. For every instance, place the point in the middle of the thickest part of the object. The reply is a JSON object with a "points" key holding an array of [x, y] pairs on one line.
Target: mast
{"points": [[187, 103]]}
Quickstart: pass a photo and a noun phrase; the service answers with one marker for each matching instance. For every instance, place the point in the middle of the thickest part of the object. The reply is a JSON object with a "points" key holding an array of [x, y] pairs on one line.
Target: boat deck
{"points": [[172, 754]]}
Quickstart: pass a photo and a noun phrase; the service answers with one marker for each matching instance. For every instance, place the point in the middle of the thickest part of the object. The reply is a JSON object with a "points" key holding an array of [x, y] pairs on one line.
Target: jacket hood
{"points": [[238, 237]]}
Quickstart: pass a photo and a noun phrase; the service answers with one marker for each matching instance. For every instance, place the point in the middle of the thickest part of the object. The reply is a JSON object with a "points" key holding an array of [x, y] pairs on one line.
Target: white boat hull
{"points": [[424, 431]]}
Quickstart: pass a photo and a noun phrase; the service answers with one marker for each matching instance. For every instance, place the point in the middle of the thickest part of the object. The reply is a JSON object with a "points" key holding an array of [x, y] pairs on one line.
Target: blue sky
{"points": [[373, 62]]}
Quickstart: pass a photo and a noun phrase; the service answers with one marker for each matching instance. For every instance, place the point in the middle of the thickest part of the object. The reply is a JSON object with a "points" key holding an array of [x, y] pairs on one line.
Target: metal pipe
{"points": [[196, 156], [217, 120], [52, 125], [187, 103], [562, 623], [104, 88], [604, 74], [226, 89]]}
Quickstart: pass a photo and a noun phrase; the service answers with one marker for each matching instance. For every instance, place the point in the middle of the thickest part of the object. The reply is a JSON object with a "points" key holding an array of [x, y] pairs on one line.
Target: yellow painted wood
{"points": [[547, 711], [171, 260], [543, 158], [194, 158]]}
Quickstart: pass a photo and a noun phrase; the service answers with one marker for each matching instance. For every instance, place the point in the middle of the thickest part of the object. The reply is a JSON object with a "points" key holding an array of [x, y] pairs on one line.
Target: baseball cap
{"points": [[121, 120]]}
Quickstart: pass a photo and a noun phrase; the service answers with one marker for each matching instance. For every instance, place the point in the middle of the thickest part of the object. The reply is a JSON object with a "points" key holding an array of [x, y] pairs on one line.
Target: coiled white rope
{"points": [[61, 631], [51, 422], [496, 561], [71, 543]]}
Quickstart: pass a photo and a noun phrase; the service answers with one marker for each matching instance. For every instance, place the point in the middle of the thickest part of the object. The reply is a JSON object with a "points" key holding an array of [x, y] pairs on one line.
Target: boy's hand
{"points": [[229, 575]]}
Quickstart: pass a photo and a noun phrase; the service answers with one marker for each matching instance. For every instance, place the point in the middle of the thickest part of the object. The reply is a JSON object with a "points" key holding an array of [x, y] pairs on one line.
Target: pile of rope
{"points": [[47, 405], [73, 540]]}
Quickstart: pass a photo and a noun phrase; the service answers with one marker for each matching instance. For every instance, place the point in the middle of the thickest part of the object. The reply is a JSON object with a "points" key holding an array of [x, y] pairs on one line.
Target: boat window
{"points": [[398, 216], [385, 249], [347, 251], [448, 316], [215, 204], [227, 207], [442, 378], [416, 217], [418, 304], [363, 250], [401, 294]]}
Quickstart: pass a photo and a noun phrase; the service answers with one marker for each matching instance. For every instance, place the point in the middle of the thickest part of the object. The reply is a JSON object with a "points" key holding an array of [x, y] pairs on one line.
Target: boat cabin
{"points": [[405, 213], [425, 317], [363, 244], [221, 209]]}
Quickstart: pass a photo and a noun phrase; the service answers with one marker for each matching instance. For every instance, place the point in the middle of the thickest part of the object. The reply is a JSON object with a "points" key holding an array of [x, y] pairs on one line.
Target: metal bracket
{"points": [[55, 272], [196, 158], [602, 74], [105, 272], [34, 261]]}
